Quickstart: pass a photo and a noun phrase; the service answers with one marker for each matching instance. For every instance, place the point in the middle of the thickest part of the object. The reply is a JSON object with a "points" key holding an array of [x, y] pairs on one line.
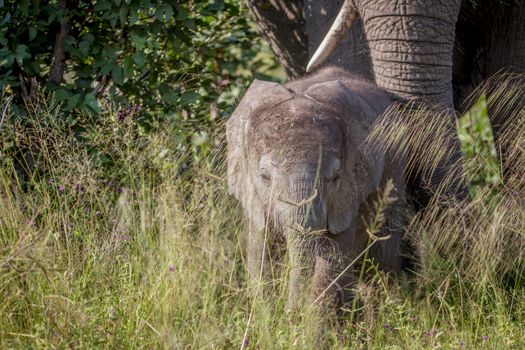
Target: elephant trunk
{"points": [[411, 47], [307, 216], [301, 260]]}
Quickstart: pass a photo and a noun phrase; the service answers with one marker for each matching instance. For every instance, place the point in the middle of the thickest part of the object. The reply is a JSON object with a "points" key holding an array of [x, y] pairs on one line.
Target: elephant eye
{"points": [[335, 178], [266, 179]]}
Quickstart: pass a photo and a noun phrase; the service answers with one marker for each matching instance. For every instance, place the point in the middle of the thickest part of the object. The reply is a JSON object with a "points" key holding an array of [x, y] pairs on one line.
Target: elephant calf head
{"points": [[297, 156]]}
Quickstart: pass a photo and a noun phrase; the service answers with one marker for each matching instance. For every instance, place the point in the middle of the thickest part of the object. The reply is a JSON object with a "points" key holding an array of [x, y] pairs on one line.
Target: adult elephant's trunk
{"points": [[410, 45]]}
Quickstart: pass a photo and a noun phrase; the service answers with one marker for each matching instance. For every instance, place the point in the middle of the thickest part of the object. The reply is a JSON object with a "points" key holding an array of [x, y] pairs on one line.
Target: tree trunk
{"points": [[282, 24], [57, 65]]}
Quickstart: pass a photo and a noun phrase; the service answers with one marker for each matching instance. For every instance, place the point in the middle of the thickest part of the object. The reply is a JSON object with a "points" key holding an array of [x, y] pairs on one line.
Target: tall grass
{"points": [[155, 258]]}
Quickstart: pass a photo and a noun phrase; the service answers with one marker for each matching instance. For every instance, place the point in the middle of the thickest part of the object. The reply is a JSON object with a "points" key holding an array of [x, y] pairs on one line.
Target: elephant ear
{"points": [[259, 96], [361, 170]]}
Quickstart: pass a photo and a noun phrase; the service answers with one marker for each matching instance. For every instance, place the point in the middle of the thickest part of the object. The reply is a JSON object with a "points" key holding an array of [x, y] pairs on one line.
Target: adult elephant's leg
{"points": [[506, 39], [283, 26], [505, 53], [505, 49]]}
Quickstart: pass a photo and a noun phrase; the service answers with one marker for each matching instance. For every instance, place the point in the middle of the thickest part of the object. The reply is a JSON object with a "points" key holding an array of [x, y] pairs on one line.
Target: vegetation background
{"points": [[116, 230]]}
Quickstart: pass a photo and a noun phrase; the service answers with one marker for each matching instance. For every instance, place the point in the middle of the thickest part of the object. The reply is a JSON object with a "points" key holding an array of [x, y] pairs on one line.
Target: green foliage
{"points": [[169, 57], [175, 66], [477, 143]]}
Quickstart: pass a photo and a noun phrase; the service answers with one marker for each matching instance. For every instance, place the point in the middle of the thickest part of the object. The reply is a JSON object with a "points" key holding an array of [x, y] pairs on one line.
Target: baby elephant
{"points": [[298, 162]]}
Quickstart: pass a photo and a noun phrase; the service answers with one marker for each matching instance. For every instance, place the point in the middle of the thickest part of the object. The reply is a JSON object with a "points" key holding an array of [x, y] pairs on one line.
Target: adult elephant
{"points": [[433, 50]]}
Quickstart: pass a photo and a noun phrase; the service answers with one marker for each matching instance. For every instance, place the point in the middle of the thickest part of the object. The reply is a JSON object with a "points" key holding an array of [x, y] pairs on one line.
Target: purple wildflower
{"points": [[98, 213], [61, 188], [485, 338], [51, 181], [172, 268], [431, 333], [123, 238]]}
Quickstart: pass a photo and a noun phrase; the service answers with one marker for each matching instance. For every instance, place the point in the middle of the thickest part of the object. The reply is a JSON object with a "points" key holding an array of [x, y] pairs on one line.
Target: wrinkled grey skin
{"points": [[434, 51], [298, 162], [425, 49]]}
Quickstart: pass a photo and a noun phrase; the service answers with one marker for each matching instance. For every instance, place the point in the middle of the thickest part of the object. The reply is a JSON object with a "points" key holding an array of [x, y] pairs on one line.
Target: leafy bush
{"points": [[477, 143], [153, 65], [174, 58]]}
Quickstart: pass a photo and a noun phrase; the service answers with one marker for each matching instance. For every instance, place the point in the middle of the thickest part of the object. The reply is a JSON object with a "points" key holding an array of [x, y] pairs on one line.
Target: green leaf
{"points": [[72, 102], [123, 15], [6, 19], [216, 5], [189, 97], [139, 58], [102, 6], [117, 75], [21, 54], [32, 33], [91, 101], [182, 13], [138, 41], [107, 68], [127, 66], [61, 94], [168, 11]]}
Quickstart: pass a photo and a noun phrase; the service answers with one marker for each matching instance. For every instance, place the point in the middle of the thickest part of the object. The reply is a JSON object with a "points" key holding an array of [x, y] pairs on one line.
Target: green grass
{"points": [[161, 263]]}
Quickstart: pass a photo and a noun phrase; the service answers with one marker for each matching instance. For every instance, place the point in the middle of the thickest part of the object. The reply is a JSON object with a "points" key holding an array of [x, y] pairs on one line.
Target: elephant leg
{"points": [[387, 253], [257, 255], [505, 47], [505, 44], [505, 52], [333, 280]]}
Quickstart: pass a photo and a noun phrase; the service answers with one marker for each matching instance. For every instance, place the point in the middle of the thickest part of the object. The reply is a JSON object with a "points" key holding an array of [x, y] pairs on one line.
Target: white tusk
{"points": [[335, 35]]}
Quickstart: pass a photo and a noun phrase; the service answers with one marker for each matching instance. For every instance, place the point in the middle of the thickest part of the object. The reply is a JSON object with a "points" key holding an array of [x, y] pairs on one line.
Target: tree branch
{"points": [[56, 73]]}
